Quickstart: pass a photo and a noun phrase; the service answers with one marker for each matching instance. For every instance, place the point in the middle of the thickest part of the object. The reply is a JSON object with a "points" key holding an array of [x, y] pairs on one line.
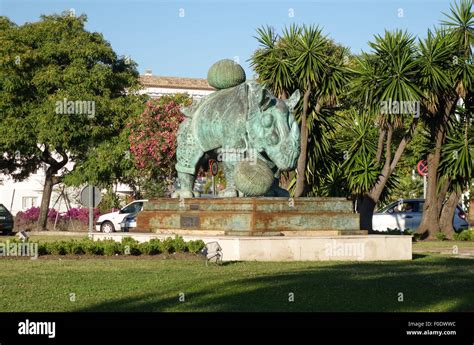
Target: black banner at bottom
{"points": [[236, 328]]}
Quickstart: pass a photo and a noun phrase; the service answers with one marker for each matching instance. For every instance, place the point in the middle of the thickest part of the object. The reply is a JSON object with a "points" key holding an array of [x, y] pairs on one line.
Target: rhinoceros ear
{"points": [[260, 98], [293, 100], [265, 99]]}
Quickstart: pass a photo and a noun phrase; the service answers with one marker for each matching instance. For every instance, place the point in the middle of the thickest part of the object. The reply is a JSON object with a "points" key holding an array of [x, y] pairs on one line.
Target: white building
{"points": [[155, 86], [19, 196]]}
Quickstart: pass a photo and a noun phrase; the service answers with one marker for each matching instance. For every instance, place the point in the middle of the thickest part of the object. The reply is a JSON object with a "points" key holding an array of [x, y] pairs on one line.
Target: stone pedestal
{"points": [[250, 217], [301, 248]]}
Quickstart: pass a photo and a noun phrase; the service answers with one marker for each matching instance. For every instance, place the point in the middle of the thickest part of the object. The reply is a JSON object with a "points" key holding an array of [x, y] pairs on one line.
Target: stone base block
{"points": [[250, 217], [282, 248]]}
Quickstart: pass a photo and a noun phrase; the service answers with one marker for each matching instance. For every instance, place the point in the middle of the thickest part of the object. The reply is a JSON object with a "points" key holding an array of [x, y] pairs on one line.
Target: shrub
{"points": [[179, 245], [441, 236], [152, 247], [111, 247], [43, 249], [168, 245], [76, 248], [110, 202], [391, 231], [58, 247], [81, 214], [31, 215], [93, 247], [416, 236], [465, 235], [195, 246], [135, 249], [130, 246]]}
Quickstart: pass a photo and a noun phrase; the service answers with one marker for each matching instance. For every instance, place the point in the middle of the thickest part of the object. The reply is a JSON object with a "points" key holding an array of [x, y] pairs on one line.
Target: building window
{"points": [[29, 201]]}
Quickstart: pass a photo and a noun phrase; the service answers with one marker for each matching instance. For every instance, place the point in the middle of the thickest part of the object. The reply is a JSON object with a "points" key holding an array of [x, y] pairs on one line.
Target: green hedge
{"points": [[128, 246], [465, 235]]}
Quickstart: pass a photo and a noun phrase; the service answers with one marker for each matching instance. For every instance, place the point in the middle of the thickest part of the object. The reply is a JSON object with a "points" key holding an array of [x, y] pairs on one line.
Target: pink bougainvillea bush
{"points": [[153, 143], [81, 214], [153, 134], [31, 215]]}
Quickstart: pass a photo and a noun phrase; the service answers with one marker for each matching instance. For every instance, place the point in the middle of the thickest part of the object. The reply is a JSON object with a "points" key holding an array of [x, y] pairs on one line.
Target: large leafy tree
{"points": [[48, 64]]}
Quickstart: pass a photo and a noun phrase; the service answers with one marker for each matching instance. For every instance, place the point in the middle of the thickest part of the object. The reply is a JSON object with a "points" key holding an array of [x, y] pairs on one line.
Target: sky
{"points": [[184, 38]]}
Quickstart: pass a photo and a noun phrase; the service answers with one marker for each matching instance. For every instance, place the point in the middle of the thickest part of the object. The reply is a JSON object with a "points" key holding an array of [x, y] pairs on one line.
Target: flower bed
{"points": [[76, 219]]}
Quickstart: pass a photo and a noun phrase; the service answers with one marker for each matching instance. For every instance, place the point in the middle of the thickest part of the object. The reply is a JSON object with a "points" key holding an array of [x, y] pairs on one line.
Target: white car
{"points": [[407, 213], [110, 222]]}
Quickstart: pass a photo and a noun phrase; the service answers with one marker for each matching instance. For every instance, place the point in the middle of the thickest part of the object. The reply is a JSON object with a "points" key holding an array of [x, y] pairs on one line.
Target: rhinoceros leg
{"points": [[186, 182], [188, 155], [230, 191]]}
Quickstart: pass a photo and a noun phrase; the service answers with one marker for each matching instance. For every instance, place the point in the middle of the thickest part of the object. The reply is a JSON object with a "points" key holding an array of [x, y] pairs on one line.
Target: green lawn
{"points": [[428, 283], [443, 244], [46, 238]]}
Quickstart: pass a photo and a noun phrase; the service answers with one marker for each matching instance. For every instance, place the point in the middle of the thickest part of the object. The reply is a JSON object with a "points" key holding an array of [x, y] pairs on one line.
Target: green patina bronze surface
{"points": [[247, 119], [225, 73], [253, 178], [251, 216]]}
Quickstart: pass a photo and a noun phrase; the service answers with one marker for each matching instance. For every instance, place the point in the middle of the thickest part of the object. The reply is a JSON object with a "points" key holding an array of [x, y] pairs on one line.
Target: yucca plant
{"points": [[303, 58], [447, 74], [388, 74], [456, 167]]}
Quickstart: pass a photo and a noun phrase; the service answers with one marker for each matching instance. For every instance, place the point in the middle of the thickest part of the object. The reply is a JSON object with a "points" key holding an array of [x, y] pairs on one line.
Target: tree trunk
{"points": [[301, 166], [373, 196], [371, 199], [46, 199], [380, 143], [49, 181], [447, 214], [429, 225], [366, 210]]}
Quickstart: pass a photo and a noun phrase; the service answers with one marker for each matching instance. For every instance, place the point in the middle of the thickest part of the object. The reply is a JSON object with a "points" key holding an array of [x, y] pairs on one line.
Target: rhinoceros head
{"points": [[272, 128]]}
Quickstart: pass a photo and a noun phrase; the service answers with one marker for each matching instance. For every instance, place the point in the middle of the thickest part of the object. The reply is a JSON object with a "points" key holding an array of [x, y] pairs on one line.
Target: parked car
{"points": [[130, 221], [6, 220], [110, 222], [407, 213]]}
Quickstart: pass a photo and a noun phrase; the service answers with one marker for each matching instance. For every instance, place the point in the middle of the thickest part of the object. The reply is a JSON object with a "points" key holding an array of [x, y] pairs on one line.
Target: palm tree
{"points": [[302, 58], [456, 166], [318, 66], [272, 62], [388, 75], [447, 74]]}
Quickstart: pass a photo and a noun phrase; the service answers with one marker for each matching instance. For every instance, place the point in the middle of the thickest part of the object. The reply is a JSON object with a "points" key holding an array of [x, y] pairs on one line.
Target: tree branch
{"points": [[381, 140], [403, 144], [388, 146]]}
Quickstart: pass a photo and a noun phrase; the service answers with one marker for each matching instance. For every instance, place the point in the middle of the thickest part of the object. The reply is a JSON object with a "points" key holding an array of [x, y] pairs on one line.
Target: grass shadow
{"points": [[427, 284]]}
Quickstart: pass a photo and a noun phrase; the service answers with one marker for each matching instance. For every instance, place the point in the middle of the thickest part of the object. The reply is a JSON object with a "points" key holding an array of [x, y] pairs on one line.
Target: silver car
{"points": [[407, 213]]}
